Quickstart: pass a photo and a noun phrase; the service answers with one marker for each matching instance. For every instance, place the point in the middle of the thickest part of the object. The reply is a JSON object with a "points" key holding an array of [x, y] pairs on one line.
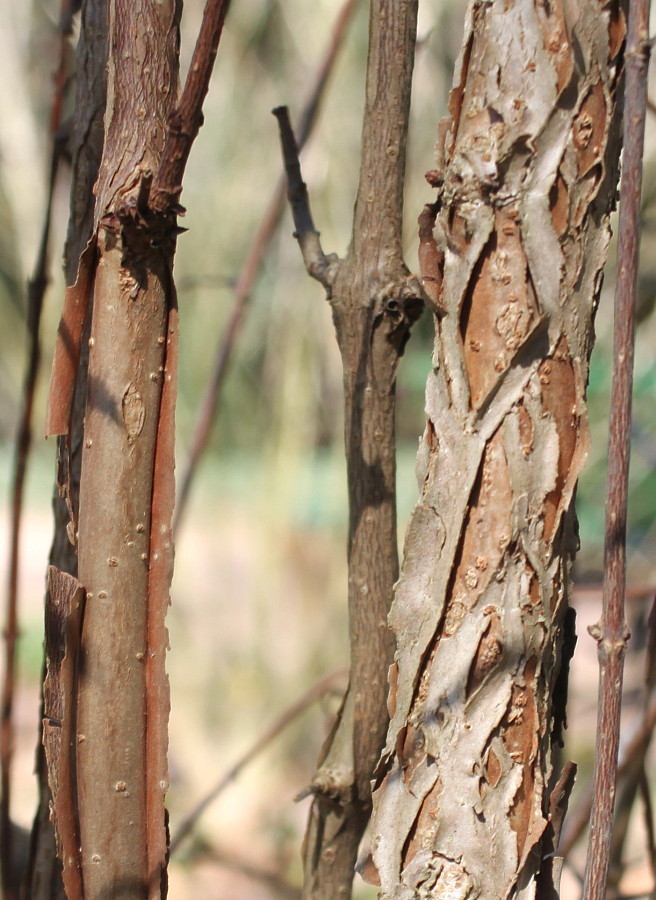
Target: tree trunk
{"points": [[526, 175], [117, 697], [374, 304]]}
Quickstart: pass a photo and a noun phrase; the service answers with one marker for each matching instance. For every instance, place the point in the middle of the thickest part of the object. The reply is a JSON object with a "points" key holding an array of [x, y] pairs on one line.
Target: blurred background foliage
{"points": [[258, 599]]}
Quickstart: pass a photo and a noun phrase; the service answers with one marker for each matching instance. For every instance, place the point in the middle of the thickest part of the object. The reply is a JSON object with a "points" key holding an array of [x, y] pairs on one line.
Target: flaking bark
{"points": [[526, 168]]}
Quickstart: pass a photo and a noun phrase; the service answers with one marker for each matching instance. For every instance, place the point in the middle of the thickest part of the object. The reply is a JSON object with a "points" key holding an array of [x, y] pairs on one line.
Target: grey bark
{"points": [[527, 168]]}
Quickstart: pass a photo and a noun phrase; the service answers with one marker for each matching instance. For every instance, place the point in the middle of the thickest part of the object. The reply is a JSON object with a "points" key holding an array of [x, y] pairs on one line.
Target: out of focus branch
{"points": [[580, 816], [251, 268], [285, 719], [274, 881]]}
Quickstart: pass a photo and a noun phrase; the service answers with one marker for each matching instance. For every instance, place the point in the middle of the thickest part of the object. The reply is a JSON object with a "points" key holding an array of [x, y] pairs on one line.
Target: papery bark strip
{"points": [[64, 614], [43, 879]]}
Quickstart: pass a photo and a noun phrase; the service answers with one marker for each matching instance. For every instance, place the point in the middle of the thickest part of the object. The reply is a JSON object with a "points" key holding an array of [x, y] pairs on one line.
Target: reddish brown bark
{"points": [[612, 630], [125, 297]]}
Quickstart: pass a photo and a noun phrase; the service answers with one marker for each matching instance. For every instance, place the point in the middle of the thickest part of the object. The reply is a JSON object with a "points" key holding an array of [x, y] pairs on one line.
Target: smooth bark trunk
{"points": [[118, 695], [375, 303]]}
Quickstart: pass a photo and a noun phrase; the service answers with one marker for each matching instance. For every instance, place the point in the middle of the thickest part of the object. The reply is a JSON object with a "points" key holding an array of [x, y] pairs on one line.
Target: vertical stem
{"points": [[374, 306], [611, 632]]}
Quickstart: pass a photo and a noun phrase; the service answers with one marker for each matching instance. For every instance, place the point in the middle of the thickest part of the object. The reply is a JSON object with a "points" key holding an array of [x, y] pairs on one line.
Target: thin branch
{"points": [[274, 881], [318, 265], [285, 719], [36, 289], [611, 632], [251, 268], [580, 817], [649, 821], [186, 120]]}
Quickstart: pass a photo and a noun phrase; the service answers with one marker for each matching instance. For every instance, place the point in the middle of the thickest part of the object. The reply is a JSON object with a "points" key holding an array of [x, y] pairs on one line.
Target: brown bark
{"points": [[125, 490], [44, 879], [612, 631], [374, 305], [119, 749], [526, 168], [125, 295]]}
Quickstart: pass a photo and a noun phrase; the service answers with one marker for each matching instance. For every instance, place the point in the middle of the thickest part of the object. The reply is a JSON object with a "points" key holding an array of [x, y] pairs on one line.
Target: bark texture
{"points": [[374, 304], [120, 695], [526, 174], [44, 876]]}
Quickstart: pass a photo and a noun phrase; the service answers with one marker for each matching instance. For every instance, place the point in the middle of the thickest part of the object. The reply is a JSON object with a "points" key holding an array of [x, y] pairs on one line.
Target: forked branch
{"points": [[187, 118], [251, 268], [318, 265]]}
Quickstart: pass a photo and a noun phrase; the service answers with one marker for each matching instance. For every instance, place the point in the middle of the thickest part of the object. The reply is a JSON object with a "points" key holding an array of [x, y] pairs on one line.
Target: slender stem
{"points": [[316, 262], [185, 121], [35, 293], [251, 268], [611, 632], [634, 753], [285, 719], [374, 306]]}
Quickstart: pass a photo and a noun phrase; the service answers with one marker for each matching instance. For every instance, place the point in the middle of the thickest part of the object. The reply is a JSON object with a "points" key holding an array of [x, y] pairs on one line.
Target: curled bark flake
{"points": [[67, 346], [499, 309], [560, 403]]}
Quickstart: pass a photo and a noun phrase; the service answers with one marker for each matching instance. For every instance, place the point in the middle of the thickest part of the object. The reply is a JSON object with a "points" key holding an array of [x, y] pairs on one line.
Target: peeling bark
{"points": [[526, 169], [44, 876], [64, 612], [122, 529]]}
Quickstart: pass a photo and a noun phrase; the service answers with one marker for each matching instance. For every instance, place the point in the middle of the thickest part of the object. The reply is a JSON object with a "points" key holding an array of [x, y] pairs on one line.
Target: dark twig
{"points": [[611, 632], [634, 784], [36, 289], [318, 265], [251, 268], [186, 120], [645, 793], [285, 719]]}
